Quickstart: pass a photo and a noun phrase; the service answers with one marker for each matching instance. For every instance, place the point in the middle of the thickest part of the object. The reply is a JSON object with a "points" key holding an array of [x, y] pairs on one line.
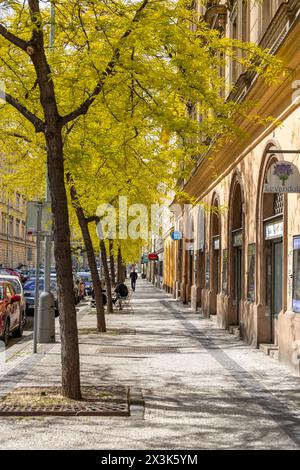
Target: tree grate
{"points": [[38, 401]]}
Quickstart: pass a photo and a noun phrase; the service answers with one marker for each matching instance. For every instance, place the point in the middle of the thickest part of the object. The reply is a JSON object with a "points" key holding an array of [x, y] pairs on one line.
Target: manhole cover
{"points": [[137, 349], [36, 401]]}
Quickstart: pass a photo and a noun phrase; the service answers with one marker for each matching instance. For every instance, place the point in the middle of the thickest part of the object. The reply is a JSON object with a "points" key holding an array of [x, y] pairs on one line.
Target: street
{"points": [[202, 388]]}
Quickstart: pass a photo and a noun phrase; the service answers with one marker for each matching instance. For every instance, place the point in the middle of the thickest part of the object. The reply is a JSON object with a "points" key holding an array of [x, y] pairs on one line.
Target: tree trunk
{"points": [[101, 324], [62, 245], [112, 263], [106, 275], [120, 273]]}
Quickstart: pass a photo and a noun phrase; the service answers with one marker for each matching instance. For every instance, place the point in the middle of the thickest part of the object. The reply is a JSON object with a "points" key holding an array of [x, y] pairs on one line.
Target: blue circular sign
{"points": [[176, 235]]}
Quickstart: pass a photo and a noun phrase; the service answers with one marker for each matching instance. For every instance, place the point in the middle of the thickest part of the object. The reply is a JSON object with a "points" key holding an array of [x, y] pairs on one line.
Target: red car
{"points": [[11, 315]]}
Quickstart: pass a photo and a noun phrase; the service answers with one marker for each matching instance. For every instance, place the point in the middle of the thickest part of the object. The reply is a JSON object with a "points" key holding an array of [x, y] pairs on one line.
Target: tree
{"points": [[130, 67]]}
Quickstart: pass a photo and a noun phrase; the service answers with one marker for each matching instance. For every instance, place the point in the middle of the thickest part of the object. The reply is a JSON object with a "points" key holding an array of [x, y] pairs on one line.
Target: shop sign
{"points": [[216, 243], [145, 259], [176, 235], [153, 257], [274, 230], [282, 177], [238, 238]]}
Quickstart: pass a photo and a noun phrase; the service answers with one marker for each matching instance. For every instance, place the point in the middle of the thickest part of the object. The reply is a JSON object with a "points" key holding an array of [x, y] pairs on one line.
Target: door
{"points": [[237, 266], [277, 285]]}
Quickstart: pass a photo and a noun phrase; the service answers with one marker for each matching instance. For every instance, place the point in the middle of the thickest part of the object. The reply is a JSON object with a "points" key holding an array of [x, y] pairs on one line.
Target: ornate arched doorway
{"points": [[215, 244], [236, 246], [271, 212]]}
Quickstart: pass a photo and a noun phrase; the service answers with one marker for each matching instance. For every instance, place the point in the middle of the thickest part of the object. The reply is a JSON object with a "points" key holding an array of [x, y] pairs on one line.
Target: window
{"points": [[3, 224], [29, 254], [251, 272], [296, 274], [224, 271], [18, 201], [207, 271], [17, 228], [11, 227], [268, 9]]}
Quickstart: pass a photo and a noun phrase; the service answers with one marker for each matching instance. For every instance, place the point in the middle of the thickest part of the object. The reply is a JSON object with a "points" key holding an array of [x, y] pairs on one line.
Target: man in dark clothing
{"points": [[121, 292], [133, 277]]}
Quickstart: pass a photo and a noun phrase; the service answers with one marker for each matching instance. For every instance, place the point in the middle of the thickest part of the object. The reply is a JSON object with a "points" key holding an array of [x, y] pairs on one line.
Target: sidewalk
{"points": [[203, 388]]}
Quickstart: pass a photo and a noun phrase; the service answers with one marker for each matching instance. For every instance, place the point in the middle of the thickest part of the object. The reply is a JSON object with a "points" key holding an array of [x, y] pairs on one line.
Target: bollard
{"points": [[46, 317]]}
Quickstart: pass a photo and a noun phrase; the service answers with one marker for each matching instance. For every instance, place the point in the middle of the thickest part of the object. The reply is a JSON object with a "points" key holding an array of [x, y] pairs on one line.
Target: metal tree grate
{"points": [[37, 401], [137, 349]]}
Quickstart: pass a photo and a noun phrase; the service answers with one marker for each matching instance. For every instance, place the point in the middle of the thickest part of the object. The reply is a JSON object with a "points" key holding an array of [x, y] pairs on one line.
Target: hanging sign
{"points": [[153, 257], [283, 177], [238, 238], [216, 243], [144, 259], [176, 235]]}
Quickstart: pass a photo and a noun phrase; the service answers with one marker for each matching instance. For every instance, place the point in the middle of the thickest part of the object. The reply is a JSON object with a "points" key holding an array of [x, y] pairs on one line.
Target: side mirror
{"points": [[15, 298]]}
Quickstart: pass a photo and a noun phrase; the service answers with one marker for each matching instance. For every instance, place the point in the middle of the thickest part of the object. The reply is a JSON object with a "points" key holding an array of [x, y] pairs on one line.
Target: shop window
{"points": [[207, 271], [296, 274], [224, 271], [251, 272]]}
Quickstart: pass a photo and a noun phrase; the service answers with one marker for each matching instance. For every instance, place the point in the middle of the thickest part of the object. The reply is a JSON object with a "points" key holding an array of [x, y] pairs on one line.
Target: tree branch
{"points": [[38, 124], [84, 107], [12, 38]]}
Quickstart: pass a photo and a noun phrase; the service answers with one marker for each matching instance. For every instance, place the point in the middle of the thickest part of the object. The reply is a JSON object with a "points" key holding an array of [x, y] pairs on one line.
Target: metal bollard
{"points": [[46, 318]]}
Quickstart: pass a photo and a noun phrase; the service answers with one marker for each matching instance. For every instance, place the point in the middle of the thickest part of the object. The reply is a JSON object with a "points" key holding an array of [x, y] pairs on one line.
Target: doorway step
{"points": [[235, 330], [270, 350]]}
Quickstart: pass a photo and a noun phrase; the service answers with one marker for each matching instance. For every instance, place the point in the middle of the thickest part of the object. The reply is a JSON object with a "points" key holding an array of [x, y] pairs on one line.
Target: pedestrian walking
{"points": [[133, 278]]}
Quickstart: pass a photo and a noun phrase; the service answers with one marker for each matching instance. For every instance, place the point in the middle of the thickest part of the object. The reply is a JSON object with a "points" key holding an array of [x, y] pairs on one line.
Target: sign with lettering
{"points": [[282, 177]]}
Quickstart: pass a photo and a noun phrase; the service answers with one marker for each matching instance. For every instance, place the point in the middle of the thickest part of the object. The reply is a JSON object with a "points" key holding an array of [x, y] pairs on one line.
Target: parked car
{"points": [[11, 317], [11, 272], [86, 277], [29, 292], [18, 287]]}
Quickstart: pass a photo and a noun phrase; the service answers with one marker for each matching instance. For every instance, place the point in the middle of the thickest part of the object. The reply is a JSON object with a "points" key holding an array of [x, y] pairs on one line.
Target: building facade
{"points": [[246, 270], [16, 246]]}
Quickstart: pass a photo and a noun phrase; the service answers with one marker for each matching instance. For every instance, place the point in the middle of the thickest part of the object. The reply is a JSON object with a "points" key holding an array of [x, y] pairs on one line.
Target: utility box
{"points": [[46, 318]]}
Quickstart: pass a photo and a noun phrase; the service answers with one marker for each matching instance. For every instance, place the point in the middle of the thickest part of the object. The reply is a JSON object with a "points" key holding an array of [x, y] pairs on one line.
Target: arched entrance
{"points": [[236, 239], [271, 234], [215, 254]]}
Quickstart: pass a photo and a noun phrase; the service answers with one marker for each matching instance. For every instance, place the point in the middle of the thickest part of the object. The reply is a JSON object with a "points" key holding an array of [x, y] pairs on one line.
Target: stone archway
{"points": [[236, 237], [215, 253], [271, 273]]}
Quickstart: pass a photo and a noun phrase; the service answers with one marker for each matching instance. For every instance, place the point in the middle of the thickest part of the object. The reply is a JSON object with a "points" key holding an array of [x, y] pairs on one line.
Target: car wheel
{"points": [[19, 331], [5, 336]]}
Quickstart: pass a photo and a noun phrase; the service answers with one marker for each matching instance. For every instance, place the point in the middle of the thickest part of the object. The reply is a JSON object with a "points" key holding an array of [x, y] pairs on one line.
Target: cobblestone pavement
{"points": [[202, 388]]}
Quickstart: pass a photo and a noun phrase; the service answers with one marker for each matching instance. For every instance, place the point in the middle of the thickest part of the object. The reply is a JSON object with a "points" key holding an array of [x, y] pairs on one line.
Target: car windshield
{"points": [[30, 285]]}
